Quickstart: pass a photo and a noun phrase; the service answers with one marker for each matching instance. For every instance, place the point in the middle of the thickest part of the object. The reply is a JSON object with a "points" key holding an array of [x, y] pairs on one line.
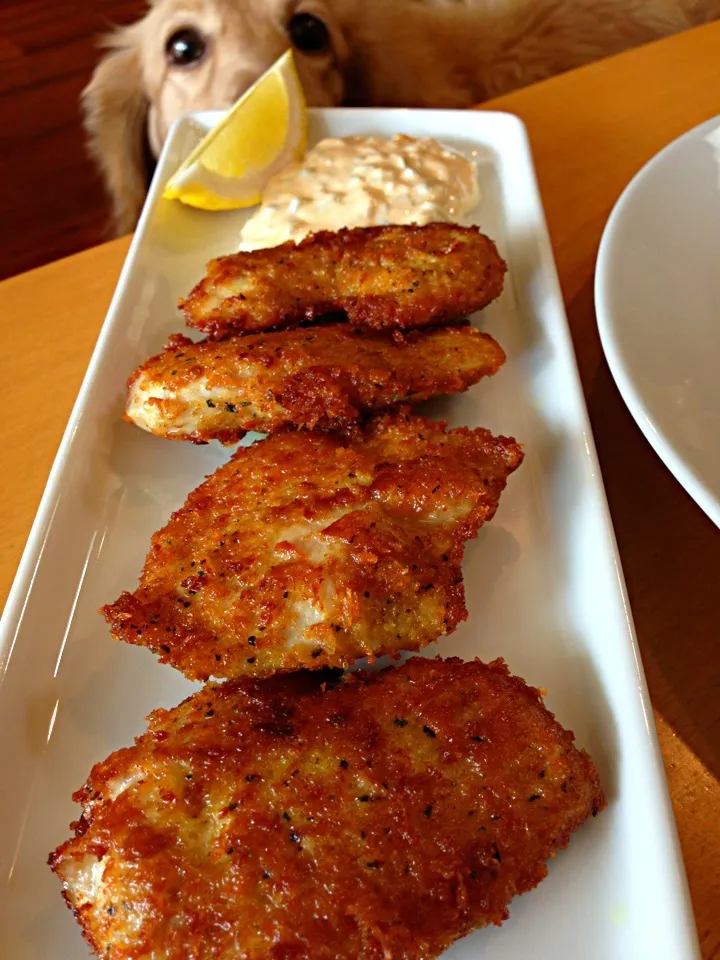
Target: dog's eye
{"points": [[185, 47], [309, 33]]}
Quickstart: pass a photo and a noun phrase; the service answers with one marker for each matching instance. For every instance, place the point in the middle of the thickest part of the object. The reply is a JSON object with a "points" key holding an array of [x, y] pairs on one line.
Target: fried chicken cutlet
{"points": [[279, 820], [396, 276], [317, 377], [313, 550]]}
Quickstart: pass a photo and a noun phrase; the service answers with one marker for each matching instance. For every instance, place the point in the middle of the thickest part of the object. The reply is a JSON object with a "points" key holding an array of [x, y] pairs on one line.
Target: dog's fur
{"points": [[413, 53]]}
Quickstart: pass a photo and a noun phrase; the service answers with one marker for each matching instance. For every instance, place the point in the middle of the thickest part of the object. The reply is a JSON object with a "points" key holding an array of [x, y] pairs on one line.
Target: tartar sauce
{"points": [[361, 182]]}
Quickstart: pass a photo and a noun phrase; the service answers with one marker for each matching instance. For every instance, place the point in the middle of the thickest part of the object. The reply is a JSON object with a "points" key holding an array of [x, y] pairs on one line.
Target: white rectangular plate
{"points": [[543, 580]]}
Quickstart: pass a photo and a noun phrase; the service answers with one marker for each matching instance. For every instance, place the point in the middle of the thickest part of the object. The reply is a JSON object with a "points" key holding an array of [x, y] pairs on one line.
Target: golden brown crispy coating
{"points": [[276, 820], [312, 550], [397, 276], [317, 377]]}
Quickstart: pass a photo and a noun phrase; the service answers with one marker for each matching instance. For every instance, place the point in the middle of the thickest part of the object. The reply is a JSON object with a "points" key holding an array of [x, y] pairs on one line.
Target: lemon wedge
{"points": [[264, 131]]}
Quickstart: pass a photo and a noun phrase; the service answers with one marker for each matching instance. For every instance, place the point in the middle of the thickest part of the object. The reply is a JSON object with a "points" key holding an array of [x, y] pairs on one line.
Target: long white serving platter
{"points": [[543, 580]]}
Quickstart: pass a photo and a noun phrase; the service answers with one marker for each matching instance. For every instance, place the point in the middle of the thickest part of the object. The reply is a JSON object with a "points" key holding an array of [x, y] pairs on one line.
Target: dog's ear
{"points": [[115, 112]]}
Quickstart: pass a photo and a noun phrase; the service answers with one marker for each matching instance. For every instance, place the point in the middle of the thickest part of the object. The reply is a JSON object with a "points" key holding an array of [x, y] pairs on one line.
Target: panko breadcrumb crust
{"points": [[310, 550], [320, 378], [384, 817], [381, 277]]}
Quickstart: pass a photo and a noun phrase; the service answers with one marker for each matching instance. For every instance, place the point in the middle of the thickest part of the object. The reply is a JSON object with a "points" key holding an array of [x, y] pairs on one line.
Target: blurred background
{"points": [[51, 199]]}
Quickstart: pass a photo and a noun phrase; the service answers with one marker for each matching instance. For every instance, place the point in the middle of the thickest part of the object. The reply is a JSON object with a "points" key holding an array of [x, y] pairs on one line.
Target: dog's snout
{"points": [[242, 80]]}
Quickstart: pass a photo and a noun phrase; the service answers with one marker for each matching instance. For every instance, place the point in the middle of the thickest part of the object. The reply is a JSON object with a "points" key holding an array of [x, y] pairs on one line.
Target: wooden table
{"points": [[591, 130]]}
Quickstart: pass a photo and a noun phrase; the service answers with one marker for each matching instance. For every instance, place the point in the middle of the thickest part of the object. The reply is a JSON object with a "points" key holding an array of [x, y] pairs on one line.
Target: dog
{"points": [[187, 55]]}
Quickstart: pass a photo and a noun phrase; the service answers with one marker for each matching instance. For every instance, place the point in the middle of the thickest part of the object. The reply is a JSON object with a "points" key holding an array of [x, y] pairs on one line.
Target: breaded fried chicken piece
{"points": [[313, 550], [397, 276], [277, 820], [317, 377]]}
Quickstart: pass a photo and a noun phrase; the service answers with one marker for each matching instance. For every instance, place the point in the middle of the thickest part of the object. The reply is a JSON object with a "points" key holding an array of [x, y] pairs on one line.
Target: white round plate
{"points": [[657, 296]]}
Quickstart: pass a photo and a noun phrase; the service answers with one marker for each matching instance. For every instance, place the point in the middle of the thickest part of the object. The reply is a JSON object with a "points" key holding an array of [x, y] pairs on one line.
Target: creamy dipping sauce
{"points": [[362, 182]]}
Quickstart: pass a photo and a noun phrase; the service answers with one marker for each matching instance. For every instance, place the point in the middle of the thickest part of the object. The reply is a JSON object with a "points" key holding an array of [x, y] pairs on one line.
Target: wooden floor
{"points": [[51, 200]]}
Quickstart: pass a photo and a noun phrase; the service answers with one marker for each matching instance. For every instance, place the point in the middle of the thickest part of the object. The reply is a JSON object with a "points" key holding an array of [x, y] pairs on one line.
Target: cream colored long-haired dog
{"points": [[202, 54]]}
